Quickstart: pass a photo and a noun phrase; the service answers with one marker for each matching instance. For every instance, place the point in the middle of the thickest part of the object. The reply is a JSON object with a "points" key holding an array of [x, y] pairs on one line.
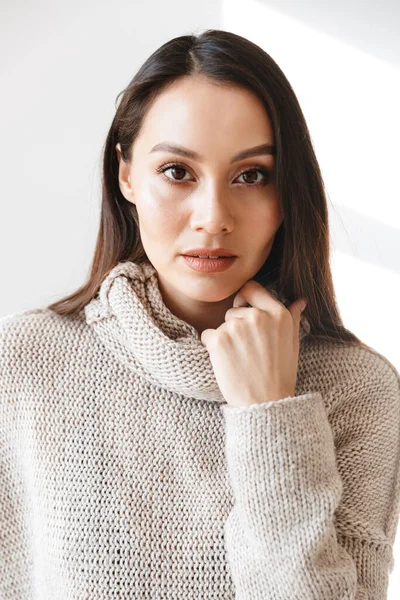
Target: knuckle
{"points": [[256, 314], [234, 324], [222, 334]]}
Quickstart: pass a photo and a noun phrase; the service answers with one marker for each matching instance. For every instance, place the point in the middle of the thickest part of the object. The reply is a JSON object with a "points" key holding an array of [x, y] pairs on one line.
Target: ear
{"points": [[124, 176]]}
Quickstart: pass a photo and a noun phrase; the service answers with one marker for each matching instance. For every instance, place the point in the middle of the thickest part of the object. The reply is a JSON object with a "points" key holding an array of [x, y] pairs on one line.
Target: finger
{"points": [[296, 309], [206, 335], [236, 313], [255, 294], [239, 300]]}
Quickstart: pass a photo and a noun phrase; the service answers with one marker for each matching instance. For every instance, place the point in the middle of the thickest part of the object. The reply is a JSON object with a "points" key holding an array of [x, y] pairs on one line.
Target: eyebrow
{"points": [[175, 149]]}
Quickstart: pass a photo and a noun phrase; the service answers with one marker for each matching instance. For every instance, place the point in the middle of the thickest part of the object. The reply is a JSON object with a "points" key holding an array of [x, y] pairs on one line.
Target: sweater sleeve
{"points": [[315, 515]]}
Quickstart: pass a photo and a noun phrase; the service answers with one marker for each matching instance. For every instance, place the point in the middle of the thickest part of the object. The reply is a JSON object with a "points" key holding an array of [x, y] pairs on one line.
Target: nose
{"points": [[212, 211]]}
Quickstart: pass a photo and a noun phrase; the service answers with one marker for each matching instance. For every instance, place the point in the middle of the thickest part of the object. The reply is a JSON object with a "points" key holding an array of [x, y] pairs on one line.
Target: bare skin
{"points": [[213, 203]]}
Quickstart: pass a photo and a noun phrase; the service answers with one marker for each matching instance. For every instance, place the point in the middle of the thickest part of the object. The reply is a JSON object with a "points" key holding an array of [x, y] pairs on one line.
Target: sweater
{"points": [[124, 472]]}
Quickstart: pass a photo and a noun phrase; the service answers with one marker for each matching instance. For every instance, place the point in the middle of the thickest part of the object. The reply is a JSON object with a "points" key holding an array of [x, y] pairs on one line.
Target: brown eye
{"points": [[252, 178], [177, 168]]}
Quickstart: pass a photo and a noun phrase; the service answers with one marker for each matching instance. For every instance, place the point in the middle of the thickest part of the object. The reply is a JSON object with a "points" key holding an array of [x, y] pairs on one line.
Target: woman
{"points": [[178, 427]]}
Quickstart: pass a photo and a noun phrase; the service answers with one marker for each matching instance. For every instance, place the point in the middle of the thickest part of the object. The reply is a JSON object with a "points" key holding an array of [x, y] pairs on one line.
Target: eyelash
{"points": [[263, 170]]}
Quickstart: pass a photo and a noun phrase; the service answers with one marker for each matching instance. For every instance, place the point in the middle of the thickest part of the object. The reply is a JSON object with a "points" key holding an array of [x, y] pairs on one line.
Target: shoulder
{"points": [[34, 326], [350, 373], [16, 329], [36, 337]]}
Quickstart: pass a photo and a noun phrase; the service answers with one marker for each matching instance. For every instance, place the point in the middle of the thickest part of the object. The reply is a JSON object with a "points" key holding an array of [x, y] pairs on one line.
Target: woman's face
{"points": [[208, 201]]}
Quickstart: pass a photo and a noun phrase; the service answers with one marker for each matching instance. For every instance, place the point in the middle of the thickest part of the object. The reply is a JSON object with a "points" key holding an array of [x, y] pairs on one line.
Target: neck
{"points": [[201, 315]]}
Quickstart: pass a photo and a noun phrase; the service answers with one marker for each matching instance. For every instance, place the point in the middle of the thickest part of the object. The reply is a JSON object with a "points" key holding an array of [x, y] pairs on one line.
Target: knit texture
{"points": [[124, 473]]}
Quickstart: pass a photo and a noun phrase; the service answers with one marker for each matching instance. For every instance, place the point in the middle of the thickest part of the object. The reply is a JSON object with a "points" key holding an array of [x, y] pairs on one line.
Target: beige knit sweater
{"points": [[125, 474]]}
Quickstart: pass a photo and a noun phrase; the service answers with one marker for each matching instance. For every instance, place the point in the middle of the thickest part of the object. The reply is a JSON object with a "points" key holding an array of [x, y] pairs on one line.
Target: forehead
{"points": [[196, 112]]}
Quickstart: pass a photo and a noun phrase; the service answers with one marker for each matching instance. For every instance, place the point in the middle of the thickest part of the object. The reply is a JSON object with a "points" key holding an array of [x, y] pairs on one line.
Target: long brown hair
{"points": [[299, 262]]}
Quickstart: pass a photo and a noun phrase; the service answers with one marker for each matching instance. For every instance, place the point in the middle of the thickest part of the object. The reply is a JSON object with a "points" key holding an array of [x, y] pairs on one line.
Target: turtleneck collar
{"points": [[131, 318]]}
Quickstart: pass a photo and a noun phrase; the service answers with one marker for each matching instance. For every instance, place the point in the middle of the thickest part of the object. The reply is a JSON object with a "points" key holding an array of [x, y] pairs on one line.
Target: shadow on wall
{"points": [[365, 238]]}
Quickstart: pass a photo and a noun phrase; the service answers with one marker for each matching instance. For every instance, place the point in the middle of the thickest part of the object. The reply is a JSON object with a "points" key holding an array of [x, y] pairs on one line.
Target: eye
{"points": [[173, 167], [258, 169], [266, 174]]}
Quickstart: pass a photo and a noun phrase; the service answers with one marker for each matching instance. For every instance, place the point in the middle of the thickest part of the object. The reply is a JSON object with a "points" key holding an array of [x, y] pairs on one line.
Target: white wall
{"points": [[62, 66]]}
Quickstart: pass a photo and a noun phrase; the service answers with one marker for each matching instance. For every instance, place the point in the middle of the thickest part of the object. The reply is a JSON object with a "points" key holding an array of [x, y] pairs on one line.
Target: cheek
{"points": [[157, 212], [266, 216]]}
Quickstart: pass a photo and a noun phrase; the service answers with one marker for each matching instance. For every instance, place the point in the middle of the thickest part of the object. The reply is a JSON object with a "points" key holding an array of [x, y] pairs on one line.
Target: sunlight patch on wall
{"points": [[368, 301]]}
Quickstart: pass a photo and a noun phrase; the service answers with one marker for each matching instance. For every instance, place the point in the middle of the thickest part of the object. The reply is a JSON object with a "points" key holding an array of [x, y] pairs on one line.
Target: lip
{"points": [[209, 265], [207, 252]]}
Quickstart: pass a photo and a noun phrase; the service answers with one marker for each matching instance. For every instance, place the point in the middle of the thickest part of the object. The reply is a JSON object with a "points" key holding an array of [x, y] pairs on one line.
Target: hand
{"points": [[255, 352]]}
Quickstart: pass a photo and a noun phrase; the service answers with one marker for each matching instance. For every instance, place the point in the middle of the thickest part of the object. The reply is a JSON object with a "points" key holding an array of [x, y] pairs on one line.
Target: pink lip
{"points": [[209, 265], [207, 252]]}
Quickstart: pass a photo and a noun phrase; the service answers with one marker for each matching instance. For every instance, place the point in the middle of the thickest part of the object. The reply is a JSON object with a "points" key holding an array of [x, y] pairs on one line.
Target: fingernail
{"points": [[303, 304]]}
